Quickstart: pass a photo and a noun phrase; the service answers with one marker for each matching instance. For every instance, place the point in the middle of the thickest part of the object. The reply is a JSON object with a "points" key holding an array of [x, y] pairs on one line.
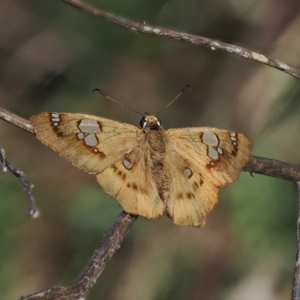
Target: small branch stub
{"points": [[33, 212]]}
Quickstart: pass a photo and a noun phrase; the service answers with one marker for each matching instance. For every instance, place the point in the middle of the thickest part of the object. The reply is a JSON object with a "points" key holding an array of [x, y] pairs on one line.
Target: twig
{"points": [[33, 212], [274, 168], [81, 286], [5, 164], [181, 36], [296, 282], [15, 120]]}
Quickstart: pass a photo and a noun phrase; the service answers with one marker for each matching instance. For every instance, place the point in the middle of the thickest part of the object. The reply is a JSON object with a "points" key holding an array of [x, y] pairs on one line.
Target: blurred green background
{"points": [[52, 57]]}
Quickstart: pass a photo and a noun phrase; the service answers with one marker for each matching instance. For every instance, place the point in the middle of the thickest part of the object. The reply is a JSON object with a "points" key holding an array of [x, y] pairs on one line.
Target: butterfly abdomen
{"points": [[156, 140]]}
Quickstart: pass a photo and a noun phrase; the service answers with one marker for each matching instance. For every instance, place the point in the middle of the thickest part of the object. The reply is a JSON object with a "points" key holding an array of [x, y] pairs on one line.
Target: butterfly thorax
{"points": [[156, 139]]}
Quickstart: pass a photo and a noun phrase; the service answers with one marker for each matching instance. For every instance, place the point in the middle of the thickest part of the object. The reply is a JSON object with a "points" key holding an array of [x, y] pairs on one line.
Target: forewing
{"points": [[90, 143], [218, 154], [200, 161], [129, 180]]}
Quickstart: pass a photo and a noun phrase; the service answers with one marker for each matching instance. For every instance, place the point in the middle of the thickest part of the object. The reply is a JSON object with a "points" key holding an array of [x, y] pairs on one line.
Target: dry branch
{"points": [[181, 36], [79, 289], [26, 183]]}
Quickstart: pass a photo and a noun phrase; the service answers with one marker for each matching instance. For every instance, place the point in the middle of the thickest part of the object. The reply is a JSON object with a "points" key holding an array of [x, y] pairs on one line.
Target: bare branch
{"points": [[274, 168], [26, 183], [296, 282], [181, 36], [15, 120], [81, 286]]}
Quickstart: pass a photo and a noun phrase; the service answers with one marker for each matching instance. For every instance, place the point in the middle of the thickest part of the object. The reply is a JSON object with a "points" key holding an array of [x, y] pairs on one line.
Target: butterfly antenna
{"points": [[182, 90], [122, 104]]}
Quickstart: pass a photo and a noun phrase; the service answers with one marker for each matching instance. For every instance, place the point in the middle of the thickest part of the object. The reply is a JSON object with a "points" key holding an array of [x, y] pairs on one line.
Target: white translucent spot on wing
{"points": [[210, 139], [55, 115], [188, 173], [212, 153], [80, 135], [220, 150], [233, 134], [91, 140], [127, 164], [55, 124], [234, 143], [89, 126], [233, 138]]}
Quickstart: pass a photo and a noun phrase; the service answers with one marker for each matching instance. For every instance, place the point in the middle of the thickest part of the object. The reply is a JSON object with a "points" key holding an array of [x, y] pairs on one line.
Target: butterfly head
{"points": [[151, 122]]}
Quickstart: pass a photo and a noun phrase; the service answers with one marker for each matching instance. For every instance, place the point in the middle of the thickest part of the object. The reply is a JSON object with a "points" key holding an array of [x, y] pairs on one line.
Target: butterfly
{"points": [[150, 171]]}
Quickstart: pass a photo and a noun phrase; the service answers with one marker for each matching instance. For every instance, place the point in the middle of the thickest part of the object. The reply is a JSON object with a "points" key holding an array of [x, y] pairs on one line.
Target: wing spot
{"points": [[212, 153], [134, 186], [179, 196], [115, 169], [234, 139], [91, 140], [102, 154], [80, 135], [195, 185], [188, 172], [234, 152], [143, 191], [123, 176], [120, 173], [127, 164], [201, 179], [210, 165], [55, 119], [209, 138], [100, 126], [128, 185], [59, 134], [89, 126], [190, 195]]}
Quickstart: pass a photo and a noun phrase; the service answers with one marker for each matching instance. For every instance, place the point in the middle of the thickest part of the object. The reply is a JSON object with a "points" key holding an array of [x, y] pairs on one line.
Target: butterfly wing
{"points": [[205, 159], [130, 181], [90, 143], [107, 148]]}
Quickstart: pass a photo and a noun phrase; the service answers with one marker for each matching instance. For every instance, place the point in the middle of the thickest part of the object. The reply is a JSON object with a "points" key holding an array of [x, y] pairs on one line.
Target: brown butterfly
{"points": [[150, 171]]}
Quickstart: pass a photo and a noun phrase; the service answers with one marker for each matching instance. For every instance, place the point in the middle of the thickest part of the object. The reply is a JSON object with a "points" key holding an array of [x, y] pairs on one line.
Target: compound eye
{"points": [[143, 122]]}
